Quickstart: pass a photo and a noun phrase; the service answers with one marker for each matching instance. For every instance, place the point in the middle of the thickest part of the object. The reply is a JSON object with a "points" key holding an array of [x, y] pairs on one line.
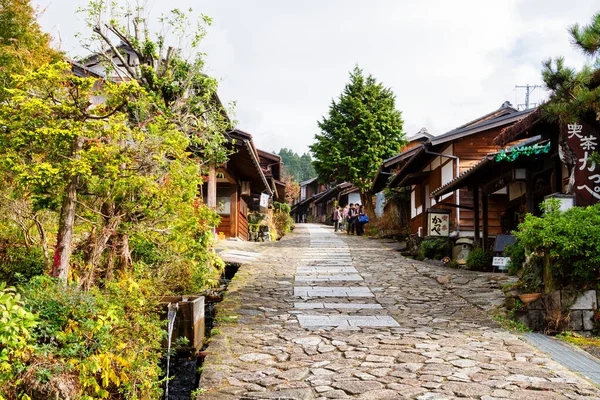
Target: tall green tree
{"points": [[299, 167], [362, 129]]}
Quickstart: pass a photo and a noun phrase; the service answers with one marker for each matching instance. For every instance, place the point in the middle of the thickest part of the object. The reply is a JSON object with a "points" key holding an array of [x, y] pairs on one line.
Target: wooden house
{"points": [[437, 161], [272, 169], [239, 184], [529, 169], [309, 190]]}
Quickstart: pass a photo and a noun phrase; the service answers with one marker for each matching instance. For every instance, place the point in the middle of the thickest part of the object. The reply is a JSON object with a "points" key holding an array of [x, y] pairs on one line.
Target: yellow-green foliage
{"points": [[105, 342], [16, 324]]}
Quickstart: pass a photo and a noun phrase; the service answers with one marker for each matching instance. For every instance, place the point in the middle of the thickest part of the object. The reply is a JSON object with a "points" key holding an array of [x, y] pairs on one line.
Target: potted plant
{"points": [[531, 283]]}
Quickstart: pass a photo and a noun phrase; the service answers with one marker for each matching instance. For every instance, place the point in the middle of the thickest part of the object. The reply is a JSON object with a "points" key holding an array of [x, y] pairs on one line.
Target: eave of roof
{"points": [[510, 133], [382, 176], [266, 154], [308, 181], [418, 153], [488, 124]]}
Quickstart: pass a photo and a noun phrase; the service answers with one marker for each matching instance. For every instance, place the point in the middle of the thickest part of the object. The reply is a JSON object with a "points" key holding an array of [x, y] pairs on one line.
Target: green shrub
{"points": [[16, 324], [433, 249], [516, 252], [105, 343], [570, 239], [479, 259], [282, 207], [18, 264], [283, 223]]}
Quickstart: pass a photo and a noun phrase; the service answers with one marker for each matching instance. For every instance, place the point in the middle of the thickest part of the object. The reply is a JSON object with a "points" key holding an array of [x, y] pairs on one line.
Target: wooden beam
{"points": [[455, 206], [476, 212], [212, 188], [233, 212], [484, 209]]}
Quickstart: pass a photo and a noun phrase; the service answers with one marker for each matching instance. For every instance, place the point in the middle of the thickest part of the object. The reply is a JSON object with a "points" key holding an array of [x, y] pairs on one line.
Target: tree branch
{"points": [[131, 73]]}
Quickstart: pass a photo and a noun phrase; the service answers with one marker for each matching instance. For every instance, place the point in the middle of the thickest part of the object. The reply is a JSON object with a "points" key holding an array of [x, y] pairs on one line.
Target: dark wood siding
{"points": [[470, 150]]}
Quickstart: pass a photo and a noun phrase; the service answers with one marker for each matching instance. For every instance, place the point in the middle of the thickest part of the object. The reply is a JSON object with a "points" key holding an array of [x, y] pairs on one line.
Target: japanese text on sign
{"points": [[584, 144], [438, 224]]}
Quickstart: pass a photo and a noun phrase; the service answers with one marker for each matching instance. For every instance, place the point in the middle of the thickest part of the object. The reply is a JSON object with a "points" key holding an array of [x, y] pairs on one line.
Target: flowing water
{"points": [[171, 314], [185, 366]]}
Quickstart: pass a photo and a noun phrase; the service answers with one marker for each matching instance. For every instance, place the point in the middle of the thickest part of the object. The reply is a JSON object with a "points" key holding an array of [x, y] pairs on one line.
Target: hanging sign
{"points": [[264, 200], [438, 222], [582, 138]]}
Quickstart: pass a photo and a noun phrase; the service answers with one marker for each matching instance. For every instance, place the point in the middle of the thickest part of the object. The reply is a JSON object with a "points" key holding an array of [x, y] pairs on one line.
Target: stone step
{"points": [[346, 321], [329, 278], [332, 291], [337, 306], [324, 270]]}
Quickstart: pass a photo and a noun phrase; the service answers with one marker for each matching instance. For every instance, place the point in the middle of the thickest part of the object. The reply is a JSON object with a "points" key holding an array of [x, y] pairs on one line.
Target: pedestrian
{"points": [[344, 218], [336, 218], [360, 226], [352, 219]]}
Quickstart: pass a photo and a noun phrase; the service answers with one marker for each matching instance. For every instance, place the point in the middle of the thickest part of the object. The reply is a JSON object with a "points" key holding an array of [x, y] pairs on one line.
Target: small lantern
{"points": [[438, 222]]}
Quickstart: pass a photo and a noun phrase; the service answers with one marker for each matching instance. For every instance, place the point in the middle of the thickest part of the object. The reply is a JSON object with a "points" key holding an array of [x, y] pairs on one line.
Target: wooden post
{"points": [[424, 221], [484, 210], [476, 213], [529, 191], [212, 188]]}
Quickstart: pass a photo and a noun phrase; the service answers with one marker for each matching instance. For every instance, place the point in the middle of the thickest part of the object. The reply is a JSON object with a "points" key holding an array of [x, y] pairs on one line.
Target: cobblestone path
{"points": [[326, 315]]}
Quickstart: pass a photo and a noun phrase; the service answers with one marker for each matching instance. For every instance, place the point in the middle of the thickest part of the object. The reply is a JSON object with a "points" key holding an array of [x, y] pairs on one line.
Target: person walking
{"points": [[351, 219], [345, 218], [336, 218], [360, 226]]}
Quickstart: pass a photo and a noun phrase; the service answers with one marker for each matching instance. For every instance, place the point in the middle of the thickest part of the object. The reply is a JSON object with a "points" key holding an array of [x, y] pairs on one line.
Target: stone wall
{"points": [[561, 309]]}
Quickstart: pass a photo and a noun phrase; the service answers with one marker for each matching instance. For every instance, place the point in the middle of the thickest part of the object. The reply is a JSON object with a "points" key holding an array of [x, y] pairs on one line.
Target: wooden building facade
{"points": [[239, 183], [437, 161]]}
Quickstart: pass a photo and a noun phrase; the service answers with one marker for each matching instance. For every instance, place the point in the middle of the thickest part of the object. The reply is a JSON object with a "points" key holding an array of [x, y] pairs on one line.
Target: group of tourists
{"points": [[352, 219]]}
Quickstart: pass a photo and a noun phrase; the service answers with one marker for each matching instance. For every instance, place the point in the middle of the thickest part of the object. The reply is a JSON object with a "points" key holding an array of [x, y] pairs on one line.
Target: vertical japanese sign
{"points": [[583, 140], [438, 223]]}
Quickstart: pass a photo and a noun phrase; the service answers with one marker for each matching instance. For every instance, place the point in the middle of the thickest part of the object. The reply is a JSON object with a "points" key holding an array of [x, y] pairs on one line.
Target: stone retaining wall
{"points": [[575, 310]]}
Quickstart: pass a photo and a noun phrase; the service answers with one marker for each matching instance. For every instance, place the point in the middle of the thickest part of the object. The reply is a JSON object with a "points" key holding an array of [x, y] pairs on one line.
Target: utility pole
{"points": [[528, 89]]}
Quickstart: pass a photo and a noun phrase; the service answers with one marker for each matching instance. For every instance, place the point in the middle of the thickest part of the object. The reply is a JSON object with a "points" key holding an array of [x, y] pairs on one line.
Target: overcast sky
{"points": [[448, 62]]}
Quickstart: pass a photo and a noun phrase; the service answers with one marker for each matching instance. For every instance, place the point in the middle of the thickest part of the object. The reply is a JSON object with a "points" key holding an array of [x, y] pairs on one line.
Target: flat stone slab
{"points": [[332, 291], [346, 321], [329, 278], [352, 306], [326, 270], [574, 359]]}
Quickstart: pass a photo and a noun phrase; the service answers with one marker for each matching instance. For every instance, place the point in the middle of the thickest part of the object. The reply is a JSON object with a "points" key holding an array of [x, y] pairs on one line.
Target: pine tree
{"points": [[575, 95], [362, 129]]}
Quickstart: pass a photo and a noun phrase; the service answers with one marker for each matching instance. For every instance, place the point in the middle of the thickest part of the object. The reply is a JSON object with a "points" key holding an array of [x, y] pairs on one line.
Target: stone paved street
{"points": [[326, 315]]}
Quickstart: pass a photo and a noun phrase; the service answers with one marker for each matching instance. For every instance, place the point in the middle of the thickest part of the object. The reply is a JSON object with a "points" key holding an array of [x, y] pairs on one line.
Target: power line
{"points": [[528, 90]]}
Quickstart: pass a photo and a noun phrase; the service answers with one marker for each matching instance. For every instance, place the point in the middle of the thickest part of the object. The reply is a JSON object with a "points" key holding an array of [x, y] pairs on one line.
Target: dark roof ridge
{"points": [[479, 127]]}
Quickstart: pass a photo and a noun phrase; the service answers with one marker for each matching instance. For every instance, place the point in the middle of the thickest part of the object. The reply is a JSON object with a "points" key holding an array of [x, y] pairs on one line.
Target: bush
{"points": [[18, 264], [433, 249], [516, 252], [282, 207], [283, 223], [97, 344], [16, 324], [479, 259], [570, 239]]}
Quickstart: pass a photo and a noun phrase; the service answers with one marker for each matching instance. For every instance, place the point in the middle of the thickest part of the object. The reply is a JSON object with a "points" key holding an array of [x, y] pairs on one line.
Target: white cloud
{"points": [[447, 62]]}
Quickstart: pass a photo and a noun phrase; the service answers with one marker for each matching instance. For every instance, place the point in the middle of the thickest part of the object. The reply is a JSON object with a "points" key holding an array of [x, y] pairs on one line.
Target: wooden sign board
{"points": [[502, 241]]}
